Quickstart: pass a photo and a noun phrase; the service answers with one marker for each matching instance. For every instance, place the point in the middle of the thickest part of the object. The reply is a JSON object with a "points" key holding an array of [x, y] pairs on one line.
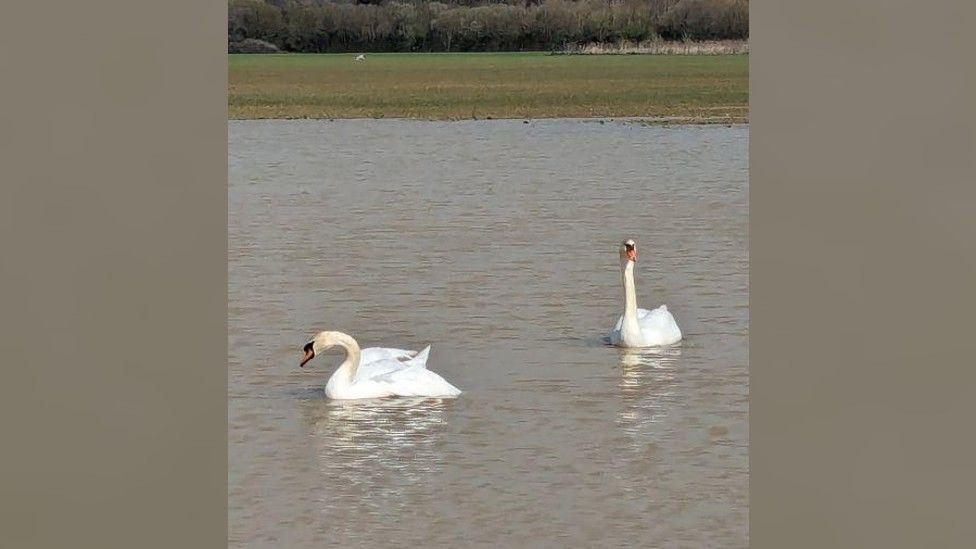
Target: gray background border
{"points": [[113, 224], [862, 274]]}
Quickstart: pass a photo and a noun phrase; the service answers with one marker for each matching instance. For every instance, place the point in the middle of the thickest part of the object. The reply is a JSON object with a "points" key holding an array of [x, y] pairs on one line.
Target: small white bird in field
{"points": [[360, 57]]}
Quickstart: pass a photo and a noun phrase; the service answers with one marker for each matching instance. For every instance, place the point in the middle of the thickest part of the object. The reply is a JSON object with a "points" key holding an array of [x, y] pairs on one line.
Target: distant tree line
{"points": [[479, 25]]}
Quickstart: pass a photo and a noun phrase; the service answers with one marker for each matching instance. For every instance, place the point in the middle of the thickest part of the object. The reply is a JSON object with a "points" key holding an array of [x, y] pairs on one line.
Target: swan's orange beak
{"points": [[632, 254], [309, 355]]}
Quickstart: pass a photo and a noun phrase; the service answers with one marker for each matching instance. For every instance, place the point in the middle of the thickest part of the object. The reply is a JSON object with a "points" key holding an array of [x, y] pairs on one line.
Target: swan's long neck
{"points": [[351, 363], [630, 291]]}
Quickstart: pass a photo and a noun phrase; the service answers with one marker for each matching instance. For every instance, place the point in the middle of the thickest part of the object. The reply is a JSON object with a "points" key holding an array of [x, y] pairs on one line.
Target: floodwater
{"points": [[495, 241]]}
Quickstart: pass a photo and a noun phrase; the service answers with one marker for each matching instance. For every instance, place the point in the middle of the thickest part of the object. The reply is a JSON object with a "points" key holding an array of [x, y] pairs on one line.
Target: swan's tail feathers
{"points": [[420, 359]]}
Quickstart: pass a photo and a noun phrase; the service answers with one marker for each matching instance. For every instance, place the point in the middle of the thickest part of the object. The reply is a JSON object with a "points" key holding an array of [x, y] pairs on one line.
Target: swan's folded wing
{"points": [[644, 313], [416, 381], [373, 354], [372, 370], [641, 313], [380, 360], [659, 326], [659, 317]]}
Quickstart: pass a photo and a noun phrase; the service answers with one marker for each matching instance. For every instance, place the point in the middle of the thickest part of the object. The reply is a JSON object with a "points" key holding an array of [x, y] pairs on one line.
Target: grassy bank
{"points": [[689, 88], [661, 47]]}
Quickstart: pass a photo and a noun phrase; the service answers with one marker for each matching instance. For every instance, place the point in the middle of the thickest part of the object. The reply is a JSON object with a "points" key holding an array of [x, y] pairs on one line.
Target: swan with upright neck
{"points": [[640, 327], [377, 372]]}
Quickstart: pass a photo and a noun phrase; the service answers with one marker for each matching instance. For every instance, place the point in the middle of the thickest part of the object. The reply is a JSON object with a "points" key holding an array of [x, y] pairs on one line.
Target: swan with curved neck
{"points": [[640, 327], [376, 372]]}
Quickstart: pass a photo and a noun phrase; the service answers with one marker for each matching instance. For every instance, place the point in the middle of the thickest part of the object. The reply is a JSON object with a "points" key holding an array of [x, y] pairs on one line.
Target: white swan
{"points": [[377, 372], [640, 327]]}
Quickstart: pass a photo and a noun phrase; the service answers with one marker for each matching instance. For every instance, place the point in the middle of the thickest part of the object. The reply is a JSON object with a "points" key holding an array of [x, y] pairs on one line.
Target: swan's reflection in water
{"points": [[647, 389], [370, 453]]}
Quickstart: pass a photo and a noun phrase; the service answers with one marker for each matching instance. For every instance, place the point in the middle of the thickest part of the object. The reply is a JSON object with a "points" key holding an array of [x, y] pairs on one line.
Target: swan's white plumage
{"points": [[640, 327], [384, 372], [377, 372], [657, 328]]}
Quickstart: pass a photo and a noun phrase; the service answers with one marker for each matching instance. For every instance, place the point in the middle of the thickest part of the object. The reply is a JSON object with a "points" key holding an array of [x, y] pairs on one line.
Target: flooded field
{"points": [[496, 242]]}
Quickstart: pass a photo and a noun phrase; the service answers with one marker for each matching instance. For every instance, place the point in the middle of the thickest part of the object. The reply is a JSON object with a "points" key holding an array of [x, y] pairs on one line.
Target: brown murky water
{"points": [[496, 241]]}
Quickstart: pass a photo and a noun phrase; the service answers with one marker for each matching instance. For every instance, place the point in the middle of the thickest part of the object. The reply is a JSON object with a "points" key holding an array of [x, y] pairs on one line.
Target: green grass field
{"points": [[687, 88]]}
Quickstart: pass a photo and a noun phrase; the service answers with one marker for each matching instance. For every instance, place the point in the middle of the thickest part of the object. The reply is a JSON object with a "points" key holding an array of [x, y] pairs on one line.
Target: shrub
{"points": [[251, 45], [707, 20], [479, 25]]}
